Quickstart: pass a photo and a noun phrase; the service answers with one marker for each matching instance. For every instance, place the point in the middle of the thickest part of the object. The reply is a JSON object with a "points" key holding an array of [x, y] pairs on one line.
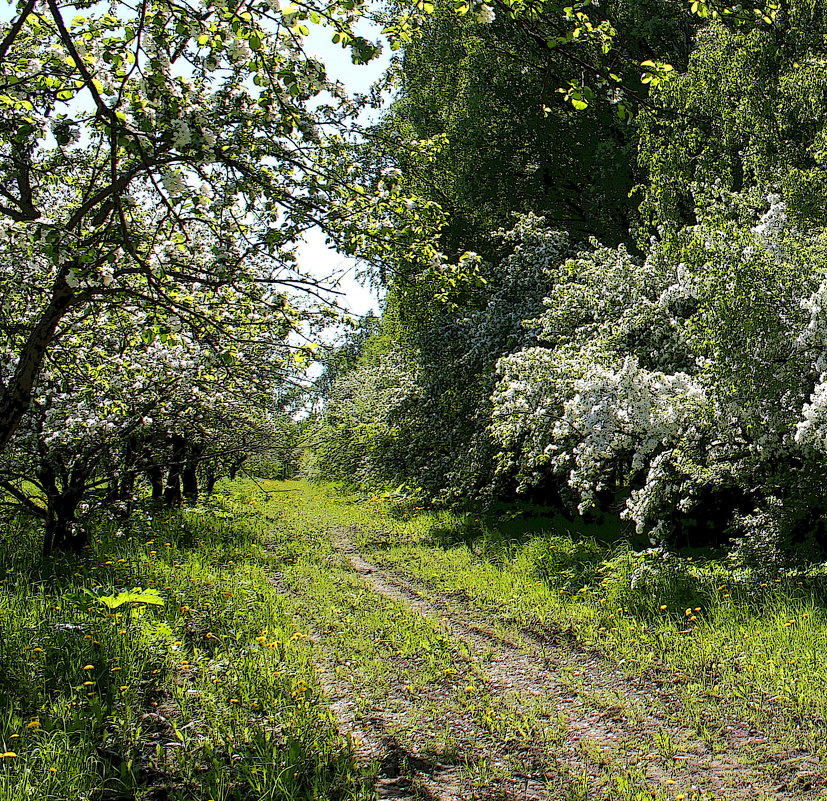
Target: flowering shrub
{"points": [[362, 436], [687, 386], [421, 414]]}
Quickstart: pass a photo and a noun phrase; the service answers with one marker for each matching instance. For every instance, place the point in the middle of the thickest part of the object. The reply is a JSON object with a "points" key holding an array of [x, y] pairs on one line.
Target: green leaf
{"points": [[134, 596]]}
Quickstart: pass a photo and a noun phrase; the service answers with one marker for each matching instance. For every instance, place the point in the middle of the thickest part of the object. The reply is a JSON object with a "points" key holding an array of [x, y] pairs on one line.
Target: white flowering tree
{"points": [[686, 387], [159, 151], [112, 409]]}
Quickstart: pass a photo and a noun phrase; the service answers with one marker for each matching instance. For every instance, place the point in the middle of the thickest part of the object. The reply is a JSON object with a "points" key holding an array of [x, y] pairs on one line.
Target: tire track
{"points": [[665, 754], [400, 776]]}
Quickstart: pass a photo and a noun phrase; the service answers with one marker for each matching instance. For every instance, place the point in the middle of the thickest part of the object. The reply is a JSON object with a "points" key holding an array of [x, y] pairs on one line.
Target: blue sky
{"points": [[314, 255]]}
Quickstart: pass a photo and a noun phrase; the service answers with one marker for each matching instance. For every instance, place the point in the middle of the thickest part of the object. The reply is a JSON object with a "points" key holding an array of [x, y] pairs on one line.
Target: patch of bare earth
{"points": [[612, 726]]}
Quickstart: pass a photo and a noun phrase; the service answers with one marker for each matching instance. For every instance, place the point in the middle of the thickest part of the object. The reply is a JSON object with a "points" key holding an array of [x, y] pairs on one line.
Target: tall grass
{"points": [[211, 694]]}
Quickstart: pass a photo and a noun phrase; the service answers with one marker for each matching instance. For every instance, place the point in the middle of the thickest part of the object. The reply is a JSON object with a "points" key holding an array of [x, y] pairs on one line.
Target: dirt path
{"points": [[400, 775], [612, 725]]}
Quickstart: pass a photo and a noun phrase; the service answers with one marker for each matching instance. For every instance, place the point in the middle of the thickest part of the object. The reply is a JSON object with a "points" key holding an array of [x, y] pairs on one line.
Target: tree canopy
{"points": [[643, 336]]}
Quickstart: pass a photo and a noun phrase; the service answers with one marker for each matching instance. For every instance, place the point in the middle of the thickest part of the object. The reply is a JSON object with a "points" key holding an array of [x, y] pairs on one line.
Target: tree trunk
{"points": [[155, 476], [129, 473], [236, 466], [189, 474], [211, 479], [62, 533], [16, 396], [127, 488], [172, 490], [62, 501]]}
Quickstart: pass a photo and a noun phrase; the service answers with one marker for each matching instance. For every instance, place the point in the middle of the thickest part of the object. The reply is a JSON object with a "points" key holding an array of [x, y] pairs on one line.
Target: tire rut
{"points": [[400, 776], [652, 746]]}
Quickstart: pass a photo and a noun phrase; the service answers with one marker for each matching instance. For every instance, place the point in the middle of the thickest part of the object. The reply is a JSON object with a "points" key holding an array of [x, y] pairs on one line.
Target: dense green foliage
{"points": [[670, 369]]}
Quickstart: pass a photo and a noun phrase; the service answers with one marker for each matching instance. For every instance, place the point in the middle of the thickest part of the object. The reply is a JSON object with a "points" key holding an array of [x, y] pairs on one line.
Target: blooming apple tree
{"points": [[113, 406], [133, 135]]}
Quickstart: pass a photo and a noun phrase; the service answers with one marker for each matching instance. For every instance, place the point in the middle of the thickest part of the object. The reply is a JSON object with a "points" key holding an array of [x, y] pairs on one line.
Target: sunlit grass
{"points": [[212, 695], [216, 693], [738, 643]]}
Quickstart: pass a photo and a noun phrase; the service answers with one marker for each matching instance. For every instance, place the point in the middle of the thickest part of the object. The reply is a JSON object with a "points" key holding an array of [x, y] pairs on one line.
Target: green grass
{"points": [[430, 687], [739, 645], [216, 693], [213, 695]]}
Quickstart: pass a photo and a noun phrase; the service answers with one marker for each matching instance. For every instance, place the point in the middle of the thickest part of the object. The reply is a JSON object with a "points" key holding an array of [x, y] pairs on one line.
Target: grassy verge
{"points": [[734, 644], [165, 664], [200, 686]]}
